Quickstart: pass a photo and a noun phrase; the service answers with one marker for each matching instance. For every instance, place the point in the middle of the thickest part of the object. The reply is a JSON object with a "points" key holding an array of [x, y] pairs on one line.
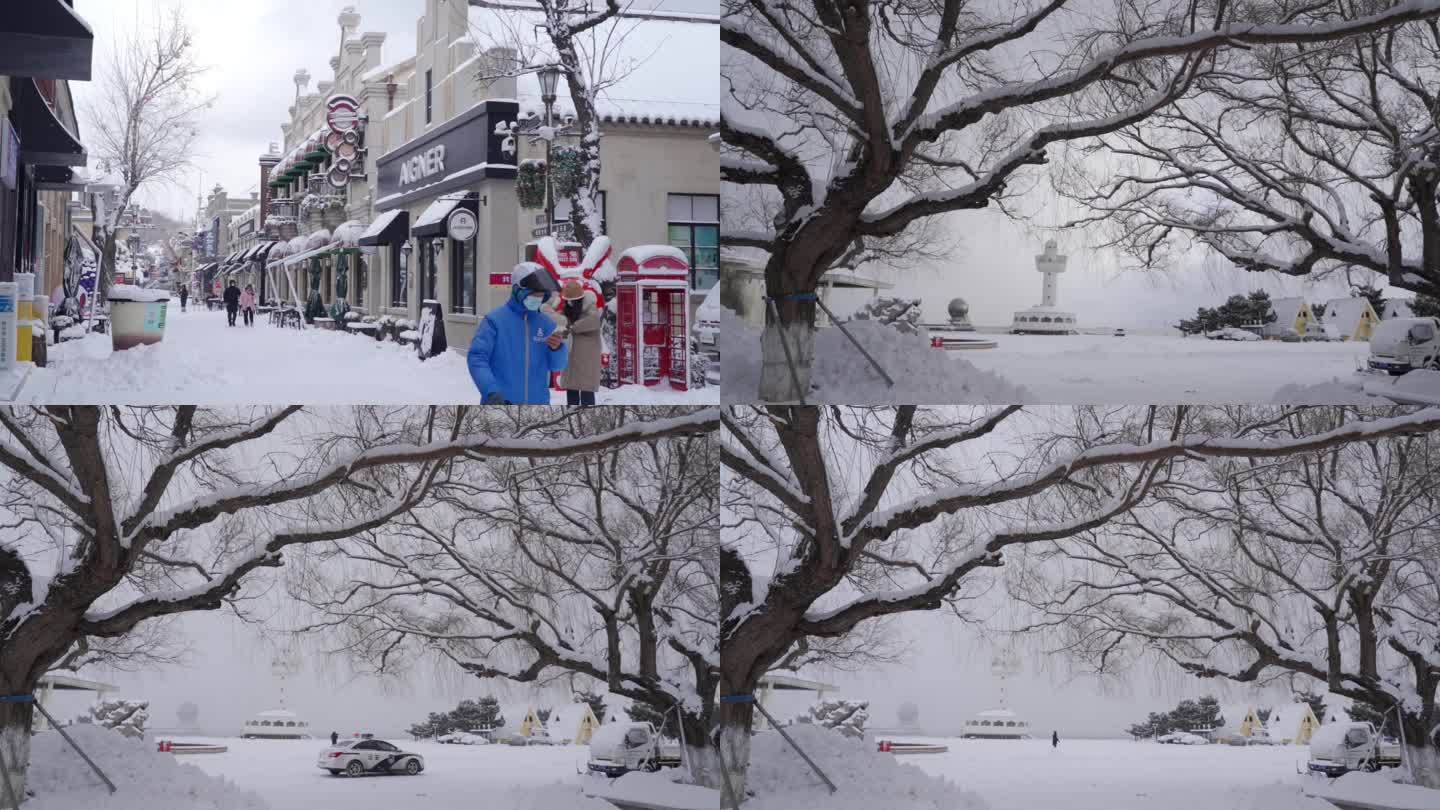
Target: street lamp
{"points": [[549, 80]]}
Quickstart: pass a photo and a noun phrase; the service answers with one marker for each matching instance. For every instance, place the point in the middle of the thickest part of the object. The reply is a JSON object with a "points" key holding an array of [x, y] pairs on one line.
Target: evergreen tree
{"points": [[1370, 291], [1365, 713], [470, 715], [543, 714], [1425, 306], [1188, 715], [1318, 309], [596, 701], [1317, 704]]}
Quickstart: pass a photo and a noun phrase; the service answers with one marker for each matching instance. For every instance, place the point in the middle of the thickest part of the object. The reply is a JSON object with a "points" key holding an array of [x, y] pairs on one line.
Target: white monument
{"points": [[1046, 318]]}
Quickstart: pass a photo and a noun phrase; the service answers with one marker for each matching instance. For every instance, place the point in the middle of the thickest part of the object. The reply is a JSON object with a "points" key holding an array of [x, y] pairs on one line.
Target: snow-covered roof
{"points": [[1398, 308], [1345, 312], [1287, 310], [515, 713], [281, 713], [565, 720], [659, 71], [1285, 720], [997, 713], [348, 234], [437, 211]]}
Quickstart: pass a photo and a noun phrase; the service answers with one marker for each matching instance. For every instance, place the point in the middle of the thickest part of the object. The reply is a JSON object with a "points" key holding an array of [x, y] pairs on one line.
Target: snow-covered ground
{"points": [[283, 772], [204, 361], [1102, 369], [1030, 775], [1065, 369]]}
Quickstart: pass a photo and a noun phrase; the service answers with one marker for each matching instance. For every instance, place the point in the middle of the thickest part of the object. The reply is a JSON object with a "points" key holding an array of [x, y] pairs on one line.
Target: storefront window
{"points": [[462, 277], [399, 276], [694, 228], [362, 279]]}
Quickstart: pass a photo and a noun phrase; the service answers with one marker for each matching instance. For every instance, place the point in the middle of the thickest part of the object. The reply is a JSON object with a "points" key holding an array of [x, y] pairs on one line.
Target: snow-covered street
{"points": [[203, 361]]}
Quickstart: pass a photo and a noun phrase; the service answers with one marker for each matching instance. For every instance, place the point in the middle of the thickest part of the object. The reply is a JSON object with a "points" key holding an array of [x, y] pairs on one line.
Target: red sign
{"points": [[500, 279], [342, 113]]}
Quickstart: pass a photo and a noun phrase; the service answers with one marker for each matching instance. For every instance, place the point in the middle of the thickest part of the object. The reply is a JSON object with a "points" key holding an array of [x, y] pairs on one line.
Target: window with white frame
{"points": [[694, 227]]}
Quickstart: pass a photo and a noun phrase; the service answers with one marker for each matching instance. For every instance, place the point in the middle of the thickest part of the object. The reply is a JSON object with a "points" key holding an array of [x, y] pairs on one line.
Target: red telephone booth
{"points": [[653, 326]]}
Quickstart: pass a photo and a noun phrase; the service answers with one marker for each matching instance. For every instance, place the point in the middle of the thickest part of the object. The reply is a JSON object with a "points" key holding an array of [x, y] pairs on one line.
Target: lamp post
{"points": [[549, 79]]}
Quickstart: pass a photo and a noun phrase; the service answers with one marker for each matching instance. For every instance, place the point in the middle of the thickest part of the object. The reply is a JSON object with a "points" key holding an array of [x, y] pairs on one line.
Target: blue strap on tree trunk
{"points": [[17, 698], [737, 699]]}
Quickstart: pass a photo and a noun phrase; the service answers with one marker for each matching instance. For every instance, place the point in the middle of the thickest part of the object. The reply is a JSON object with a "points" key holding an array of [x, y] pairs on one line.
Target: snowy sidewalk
{"points": [[203, 361]]}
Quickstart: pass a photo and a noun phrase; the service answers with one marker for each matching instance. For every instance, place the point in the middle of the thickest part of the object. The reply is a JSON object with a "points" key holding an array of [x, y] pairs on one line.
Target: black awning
{"points": [[44, 141], [434, 222], [262, 251], [58, 178], [390, 228], [45, 39]]}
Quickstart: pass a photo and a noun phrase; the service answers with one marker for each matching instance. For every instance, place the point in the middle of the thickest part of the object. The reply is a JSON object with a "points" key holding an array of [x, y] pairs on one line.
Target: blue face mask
{"points": [[533, 303]]}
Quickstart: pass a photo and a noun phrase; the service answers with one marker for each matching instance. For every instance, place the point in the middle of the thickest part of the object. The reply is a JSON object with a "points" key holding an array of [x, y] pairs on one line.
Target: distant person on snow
{"points": [[517, 347], [334, 738], [232, 302], [247, 304], [1054, 739], [184, 296]]}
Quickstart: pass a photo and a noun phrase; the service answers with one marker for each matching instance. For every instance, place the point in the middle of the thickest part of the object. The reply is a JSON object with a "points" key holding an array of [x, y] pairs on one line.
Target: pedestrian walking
{"points": [[334, 738], [232, 302], [1054, 739], [581, 313], [247, 304], [184, 295], [516, 346]]}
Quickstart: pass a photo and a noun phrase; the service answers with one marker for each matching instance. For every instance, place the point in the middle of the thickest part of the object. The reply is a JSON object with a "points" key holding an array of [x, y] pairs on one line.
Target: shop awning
{"points": [[291, 261], [59, 178], [45, 39], [44, 141], [262, 251], [433, 221], [389, 228]]}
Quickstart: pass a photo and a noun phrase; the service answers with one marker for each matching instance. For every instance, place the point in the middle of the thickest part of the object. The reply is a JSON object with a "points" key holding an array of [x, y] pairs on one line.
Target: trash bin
{"points": [[137, 316]]}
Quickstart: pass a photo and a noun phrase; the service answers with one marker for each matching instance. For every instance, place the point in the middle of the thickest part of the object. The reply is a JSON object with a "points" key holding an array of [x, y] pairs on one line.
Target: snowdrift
{"points": [[922, 374], [146, 779], [866, 778]]}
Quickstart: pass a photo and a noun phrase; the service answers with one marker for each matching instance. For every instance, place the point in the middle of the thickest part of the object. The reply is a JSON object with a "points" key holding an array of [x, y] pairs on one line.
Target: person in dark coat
{"points": [[232, 302], [1054, 739], [184, 295], [334, 738]]}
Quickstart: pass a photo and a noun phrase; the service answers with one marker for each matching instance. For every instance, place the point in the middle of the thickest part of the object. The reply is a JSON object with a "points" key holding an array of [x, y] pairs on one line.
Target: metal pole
{"points": [[784, 344], [549, 168], [684, 754], [83, 755], [802, 754], [846, 333], [1404, 755]]}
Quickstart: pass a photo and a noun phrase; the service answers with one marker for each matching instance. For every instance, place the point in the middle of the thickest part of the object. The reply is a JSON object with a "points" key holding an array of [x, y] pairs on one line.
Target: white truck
{"points": [[1400, 345], [618, 748], [1337, 748]]}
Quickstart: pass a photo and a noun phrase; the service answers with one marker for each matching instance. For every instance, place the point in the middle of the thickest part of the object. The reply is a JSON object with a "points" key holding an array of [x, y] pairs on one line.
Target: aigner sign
{"points": [[457, 154]]}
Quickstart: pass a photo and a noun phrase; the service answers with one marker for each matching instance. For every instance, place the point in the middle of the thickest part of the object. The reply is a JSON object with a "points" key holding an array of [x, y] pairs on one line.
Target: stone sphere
{"points": [[959, 310]]}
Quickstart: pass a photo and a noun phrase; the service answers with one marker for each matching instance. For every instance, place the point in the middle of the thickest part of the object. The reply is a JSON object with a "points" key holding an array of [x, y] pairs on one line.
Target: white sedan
{"points": [[361, 757]]}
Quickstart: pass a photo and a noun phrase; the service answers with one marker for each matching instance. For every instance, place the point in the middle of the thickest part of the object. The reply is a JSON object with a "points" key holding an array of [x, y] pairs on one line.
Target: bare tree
{"points": [[863, 118], [118, 517], [837, 517], [1324, 565], [146, 117], [1298, 159], [602, 568], [585, 42]]}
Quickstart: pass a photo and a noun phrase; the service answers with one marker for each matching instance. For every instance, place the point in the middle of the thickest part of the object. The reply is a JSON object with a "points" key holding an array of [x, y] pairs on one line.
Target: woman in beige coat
{"points": [[581, 377]]}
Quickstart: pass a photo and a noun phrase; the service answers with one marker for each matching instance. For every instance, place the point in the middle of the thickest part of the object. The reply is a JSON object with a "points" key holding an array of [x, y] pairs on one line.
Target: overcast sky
{"points": [[252, 50]]}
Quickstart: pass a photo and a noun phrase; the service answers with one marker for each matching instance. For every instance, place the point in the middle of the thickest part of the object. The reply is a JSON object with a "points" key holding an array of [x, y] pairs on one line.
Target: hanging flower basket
{"points": [[566, 171], [530, 184]]}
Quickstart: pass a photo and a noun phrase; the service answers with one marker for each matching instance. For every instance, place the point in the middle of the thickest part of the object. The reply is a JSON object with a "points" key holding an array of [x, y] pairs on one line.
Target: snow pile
{"points": [[1274, 796], [1335, 392], [145, 779], [866, 779], [658, 788], [554, 796], [845, 716], [125, 716], [841, 374], [1419, 387], [348, 234], [1379, 789], [462, 738]]}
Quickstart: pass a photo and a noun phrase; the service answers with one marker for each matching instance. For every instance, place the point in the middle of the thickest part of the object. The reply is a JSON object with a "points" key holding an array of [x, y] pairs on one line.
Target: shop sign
{"points": [[459, 153], [462, 225], [9, 154], [499, 279], [426, 164], [342, 113]]}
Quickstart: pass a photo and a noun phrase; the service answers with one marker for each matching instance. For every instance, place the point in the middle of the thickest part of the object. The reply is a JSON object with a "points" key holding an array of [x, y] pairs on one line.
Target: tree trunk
{"points": [[787, 354], [1421, 751], [700, 751], [15, 721], [736, 720]]}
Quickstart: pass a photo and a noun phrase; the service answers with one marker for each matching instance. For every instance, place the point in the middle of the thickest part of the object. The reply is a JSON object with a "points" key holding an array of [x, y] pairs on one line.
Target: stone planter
{"points": [[137, 316]]}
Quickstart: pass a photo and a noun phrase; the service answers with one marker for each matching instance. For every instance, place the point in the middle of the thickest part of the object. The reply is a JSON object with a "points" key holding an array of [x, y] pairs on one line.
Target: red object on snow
{"points": [[166, 746], [884, 746], [937, 343]]}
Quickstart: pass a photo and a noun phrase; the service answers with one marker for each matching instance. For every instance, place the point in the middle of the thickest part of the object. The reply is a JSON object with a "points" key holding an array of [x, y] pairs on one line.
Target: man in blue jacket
{"points": [[517, 346]]}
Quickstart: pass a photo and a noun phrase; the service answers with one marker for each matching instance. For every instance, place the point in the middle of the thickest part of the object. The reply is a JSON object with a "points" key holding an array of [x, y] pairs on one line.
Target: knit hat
{"points": [[571, 290]]}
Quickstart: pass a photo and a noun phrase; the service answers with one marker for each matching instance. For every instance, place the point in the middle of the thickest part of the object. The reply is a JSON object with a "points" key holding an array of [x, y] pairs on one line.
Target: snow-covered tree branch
{"points": [[851, 123]]}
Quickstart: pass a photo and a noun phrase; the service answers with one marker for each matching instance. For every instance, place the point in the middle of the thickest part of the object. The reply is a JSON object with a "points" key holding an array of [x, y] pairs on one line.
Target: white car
{"points": [[707, 318], [361, 757], [1232, 333]]}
